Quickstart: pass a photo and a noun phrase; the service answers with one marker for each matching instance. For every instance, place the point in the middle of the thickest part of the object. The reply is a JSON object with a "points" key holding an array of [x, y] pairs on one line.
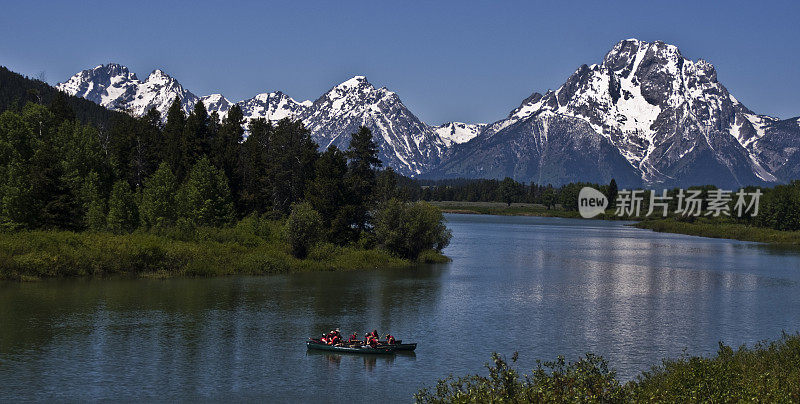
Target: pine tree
{"points": [[157, 208], [227, 150], [612, 193], [386, 186], [196, 135], [60, 108], [123, 216], [205, 198], [173, 148], [328, 194], [290, 163], [255, 194], [363, 162]]}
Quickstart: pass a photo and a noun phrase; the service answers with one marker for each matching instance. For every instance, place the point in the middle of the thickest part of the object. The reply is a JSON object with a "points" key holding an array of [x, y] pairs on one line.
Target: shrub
{"points": [[407, 229], [303, 228]]}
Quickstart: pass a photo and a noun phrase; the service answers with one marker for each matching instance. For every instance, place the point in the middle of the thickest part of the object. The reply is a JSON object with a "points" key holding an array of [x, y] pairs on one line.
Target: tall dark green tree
{"points": [[510, 191], [290, 162], [612, 193], [60, 108], [196, 135], [205, 198], [361, 177], [328, 194], [157, 208], [123, 216], [386, 186], [227, 148], [145, 148], [174, 146], [255, 194]]}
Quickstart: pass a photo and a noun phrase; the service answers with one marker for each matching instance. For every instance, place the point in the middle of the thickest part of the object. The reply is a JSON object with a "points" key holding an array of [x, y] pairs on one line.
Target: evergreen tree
{"points": [[146, 147], [60, 108], [157, 208], [386, 186], [363, 162], [122, 213], [290, 163], [255, 194], [93, 203], [205, 198], [196, 135], [174, 145], [509, 190], [227, 149], [612, 193], [328, 194]]}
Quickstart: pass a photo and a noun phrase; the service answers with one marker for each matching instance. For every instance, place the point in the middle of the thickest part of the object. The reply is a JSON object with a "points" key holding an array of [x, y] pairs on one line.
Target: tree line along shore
{"points": [[86, 191]]}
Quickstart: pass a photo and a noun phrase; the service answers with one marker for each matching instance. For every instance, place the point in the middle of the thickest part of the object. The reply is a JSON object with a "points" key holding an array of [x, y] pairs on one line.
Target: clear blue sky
{"points": [[448, 60]]}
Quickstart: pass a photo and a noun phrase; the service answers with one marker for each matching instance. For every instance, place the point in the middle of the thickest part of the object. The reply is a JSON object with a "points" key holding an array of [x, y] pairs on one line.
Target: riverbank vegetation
{"points": [[74, 183], [766, 372]]}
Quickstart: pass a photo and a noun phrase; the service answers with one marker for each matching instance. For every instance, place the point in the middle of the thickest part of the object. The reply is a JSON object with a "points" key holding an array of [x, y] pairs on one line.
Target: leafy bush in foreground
{"points": [[768, 372]]}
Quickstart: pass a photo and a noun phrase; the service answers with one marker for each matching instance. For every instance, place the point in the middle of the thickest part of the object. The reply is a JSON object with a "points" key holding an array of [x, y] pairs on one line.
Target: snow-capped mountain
{"points": [[216, 102], [115, 87], [646, 114], [458, 132], [405, 143], [272, 107]]}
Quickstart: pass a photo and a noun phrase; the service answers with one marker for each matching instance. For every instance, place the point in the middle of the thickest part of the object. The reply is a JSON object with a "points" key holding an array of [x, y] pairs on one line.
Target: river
{"points": [[540, 286]]}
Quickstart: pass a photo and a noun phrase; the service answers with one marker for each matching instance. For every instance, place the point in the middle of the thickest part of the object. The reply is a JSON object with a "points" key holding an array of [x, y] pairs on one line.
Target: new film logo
{"points": [[591, 202], [691, 202]]}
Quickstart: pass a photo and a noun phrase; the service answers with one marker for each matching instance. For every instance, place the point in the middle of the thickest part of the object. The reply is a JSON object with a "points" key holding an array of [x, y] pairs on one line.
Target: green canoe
{"points": [[350, 349]]}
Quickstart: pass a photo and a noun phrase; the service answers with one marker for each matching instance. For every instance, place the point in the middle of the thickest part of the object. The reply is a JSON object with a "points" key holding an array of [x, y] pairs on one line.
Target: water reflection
{"points": [[540, 286]]}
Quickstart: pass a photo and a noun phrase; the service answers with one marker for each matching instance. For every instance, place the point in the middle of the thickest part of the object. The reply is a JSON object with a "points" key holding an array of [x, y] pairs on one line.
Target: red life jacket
{"points": [[390, 339]]}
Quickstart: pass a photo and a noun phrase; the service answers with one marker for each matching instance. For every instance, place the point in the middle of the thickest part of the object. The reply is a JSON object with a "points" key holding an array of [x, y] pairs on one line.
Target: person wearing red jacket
{"points": [[390, 339]]}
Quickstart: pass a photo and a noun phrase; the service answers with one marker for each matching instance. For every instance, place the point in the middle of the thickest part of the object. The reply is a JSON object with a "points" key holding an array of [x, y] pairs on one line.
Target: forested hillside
{"points": [[68, 164]]}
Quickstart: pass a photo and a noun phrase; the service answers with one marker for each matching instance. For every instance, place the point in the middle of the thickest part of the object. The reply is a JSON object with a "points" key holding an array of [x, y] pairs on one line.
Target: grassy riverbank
{"points": [[503, 209], [767, 372], [719, 229], [252, 248]]}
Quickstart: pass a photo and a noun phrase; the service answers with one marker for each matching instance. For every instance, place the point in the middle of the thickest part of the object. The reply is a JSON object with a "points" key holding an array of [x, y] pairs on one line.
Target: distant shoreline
{"points": [[702, 227]]}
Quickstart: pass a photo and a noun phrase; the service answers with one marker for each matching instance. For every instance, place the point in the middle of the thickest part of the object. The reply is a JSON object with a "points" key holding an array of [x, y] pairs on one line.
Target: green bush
{"points": [[303, 228], [768, 372], [407, 229]]}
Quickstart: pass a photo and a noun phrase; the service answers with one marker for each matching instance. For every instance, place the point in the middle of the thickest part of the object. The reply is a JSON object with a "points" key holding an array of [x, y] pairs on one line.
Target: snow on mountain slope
{"points": [[668, 116], [218, 103], [405, 143], [458, 132], [115, 87], [272, 107], [644, 115]]}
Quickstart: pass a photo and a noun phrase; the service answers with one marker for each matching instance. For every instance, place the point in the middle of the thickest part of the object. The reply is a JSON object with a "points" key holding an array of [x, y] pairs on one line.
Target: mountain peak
{"points": [[354, 82]]}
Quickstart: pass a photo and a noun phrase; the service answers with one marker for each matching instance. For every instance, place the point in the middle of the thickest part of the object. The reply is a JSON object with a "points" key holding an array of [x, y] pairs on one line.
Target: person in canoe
{"points": [[390, 339], [375, 334], [354, 337], [372, 342]]}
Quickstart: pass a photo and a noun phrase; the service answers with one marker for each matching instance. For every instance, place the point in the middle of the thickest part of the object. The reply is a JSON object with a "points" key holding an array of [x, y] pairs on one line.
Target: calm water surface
{"points": [[540, 286]]}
